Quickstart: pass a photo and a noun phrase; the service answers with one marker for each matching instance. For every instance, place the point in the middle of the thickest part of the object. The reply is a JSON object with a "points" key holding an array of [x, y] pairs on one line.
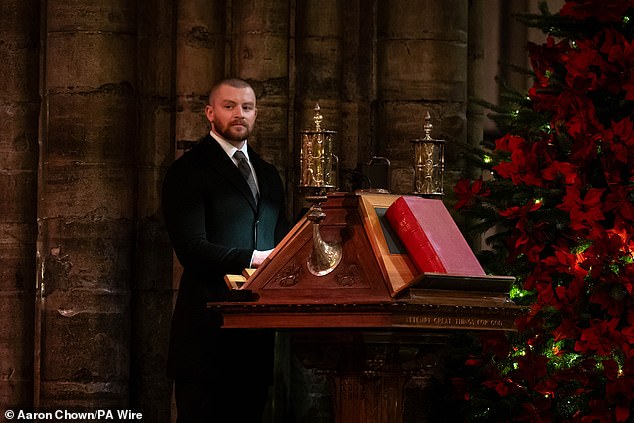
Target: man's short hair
{"points": [[232, 82]]}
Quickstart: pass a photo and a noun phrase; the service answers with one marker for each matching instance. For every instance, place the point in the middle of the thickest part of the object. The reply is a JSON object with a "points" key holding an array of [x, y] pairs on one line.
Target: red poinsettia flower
{"points": [[546, 295], [599, 412], [618, 159], [580, 122], [609, 296], [539, 274], [622, 412], [623, 130], [620, 391], [509, 142], [532, 368], [602, 10], [460, 388], [544, 59], [546, 387], [609, 245], [627, 276], [630, 319], [518, 212], [565, 170], [600, 59], [528, 237], [500, 386], [473, 361], [628, 86], [582, 66], [581, 128], [618, 201], [467, 191], [628, 333], [620, 53], [564, 266], [566, 330], [522, 169], [495, 344], [563, 261], [586, 211], [601, 337], [606, 255]]}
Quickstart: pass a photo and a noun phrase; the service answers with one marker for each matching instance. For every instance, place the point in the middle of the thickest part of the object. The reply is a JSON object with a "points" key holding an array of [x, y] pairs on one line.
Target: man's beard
{"points": [[227, 134]]}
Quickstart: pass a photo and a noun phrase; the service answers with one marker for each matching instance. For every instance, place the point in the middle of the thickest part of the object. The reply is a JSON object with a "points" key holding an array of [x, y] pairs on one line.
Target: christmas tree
{"points": [[557, 196]]}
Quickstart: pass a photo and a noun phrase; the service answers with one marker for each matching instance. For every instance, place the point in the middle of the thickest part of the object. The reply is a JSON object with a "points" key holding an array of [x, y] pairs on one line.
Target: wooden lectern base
{"points": [[369, 372], [378, 358]]}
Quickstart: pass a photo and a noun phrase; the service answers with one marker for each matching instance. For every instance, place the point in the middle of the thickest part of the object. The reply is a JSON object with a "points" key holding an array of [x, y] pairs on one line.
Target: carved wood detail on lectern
{"points": [[289, 276], [349, 276]]}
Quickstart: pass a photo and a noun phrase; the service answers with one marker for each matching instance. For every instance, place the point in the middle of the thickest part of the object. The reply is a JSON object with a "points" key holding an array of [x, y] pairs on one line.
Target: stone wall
{"points": [[86, 209], [19, 109], [97, 98]]}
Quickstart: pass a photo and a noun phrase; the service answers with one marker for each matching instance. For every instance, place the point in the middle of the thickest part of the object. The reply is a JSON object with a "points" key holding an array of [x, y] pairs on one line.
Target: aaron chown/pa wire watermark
{"points": [[63, 415]]}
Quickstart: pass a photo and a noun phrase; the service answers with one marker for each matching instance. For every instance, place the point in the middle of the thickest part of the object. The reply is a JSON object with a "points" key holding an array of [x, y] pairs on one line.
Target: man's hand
{"points": [[259, 256]]}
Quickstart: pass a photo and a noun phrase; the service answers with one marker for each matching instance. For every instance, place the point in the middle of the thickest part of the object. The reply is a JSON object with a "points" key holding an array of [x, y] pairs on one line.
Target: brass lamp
{"points": [[429, 163], [316, 180]]}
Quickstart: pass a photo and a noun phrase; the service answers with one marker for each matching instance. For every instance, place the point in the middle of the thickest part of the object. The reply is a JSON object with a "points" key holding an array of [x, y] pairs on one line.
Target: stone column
{"points": [[200, 61], [259, 54], [476, 90], [358, 52], [86, 212], [513, 39], [476, 82], [319, 71], [152, 290], [19, 110], [319, 62], [421, 66]]}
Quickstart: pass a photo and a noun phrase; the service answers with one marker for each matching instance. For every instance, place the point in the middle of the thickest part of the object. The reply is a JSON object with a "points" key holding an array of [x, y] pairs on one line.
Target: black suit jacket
{"points": [[214, 225]]}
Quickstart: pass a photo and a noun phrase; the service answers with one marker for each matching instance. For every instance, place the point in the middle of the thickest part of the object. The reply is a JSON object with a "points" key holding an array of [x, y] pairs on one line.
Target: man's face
{"points": [[232, 113]]}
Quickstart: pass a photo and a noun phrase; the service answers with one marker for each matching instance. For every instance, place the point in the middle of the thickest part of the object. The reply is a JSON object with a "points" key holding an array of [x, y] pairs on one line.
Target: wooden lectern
{"points": [[374, 323]]}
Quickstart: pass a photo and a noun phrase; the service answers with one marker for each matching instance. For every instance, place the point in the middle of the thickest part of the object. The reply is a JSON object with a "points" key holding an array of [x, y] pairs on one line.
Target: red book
{"points": [[431, 237]]}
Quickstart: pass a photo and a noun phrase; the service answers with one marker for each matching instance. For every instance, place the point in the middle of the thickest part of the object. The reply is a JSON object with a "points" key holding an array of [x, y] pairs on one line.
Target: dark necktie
{"points": [[245, 169]]}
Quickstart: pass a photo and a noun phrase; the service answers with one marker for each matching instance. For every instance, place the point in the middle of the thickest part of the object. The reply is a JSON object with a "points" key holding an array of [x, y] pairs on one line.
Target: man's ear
{"points": [[209, 112]]}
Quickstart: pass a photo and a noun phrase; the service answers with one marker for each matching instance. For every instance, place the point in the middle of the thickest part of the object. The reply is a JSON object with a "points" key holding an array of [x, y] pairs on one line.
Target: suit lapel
{"points": [[219, 161]]}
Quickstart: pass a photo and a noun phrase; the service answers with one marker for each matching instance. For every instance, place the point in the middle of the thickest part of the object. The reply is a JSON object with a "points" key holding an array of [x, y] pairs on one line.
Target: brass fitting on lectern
{"points": [[317, 179]]}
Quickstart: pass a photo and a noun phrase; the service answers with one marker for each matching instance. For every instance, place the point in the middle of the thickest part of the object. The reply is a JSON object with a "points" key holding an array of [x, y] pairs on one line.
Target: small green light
{"points": [[626, 19], [487, 159]]}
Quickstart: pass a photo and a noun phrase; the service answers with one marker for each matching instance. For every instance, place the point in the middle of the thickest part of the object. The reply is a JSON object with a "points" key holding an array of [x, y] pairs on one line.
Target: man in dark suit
{"points": [[223, 214]]}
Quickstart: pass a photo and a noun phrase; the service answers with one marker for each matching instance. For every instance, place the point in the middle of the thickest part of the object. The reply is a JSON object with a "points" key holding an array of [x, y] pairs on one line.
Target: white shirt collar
{"points": [[229, 148]]}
